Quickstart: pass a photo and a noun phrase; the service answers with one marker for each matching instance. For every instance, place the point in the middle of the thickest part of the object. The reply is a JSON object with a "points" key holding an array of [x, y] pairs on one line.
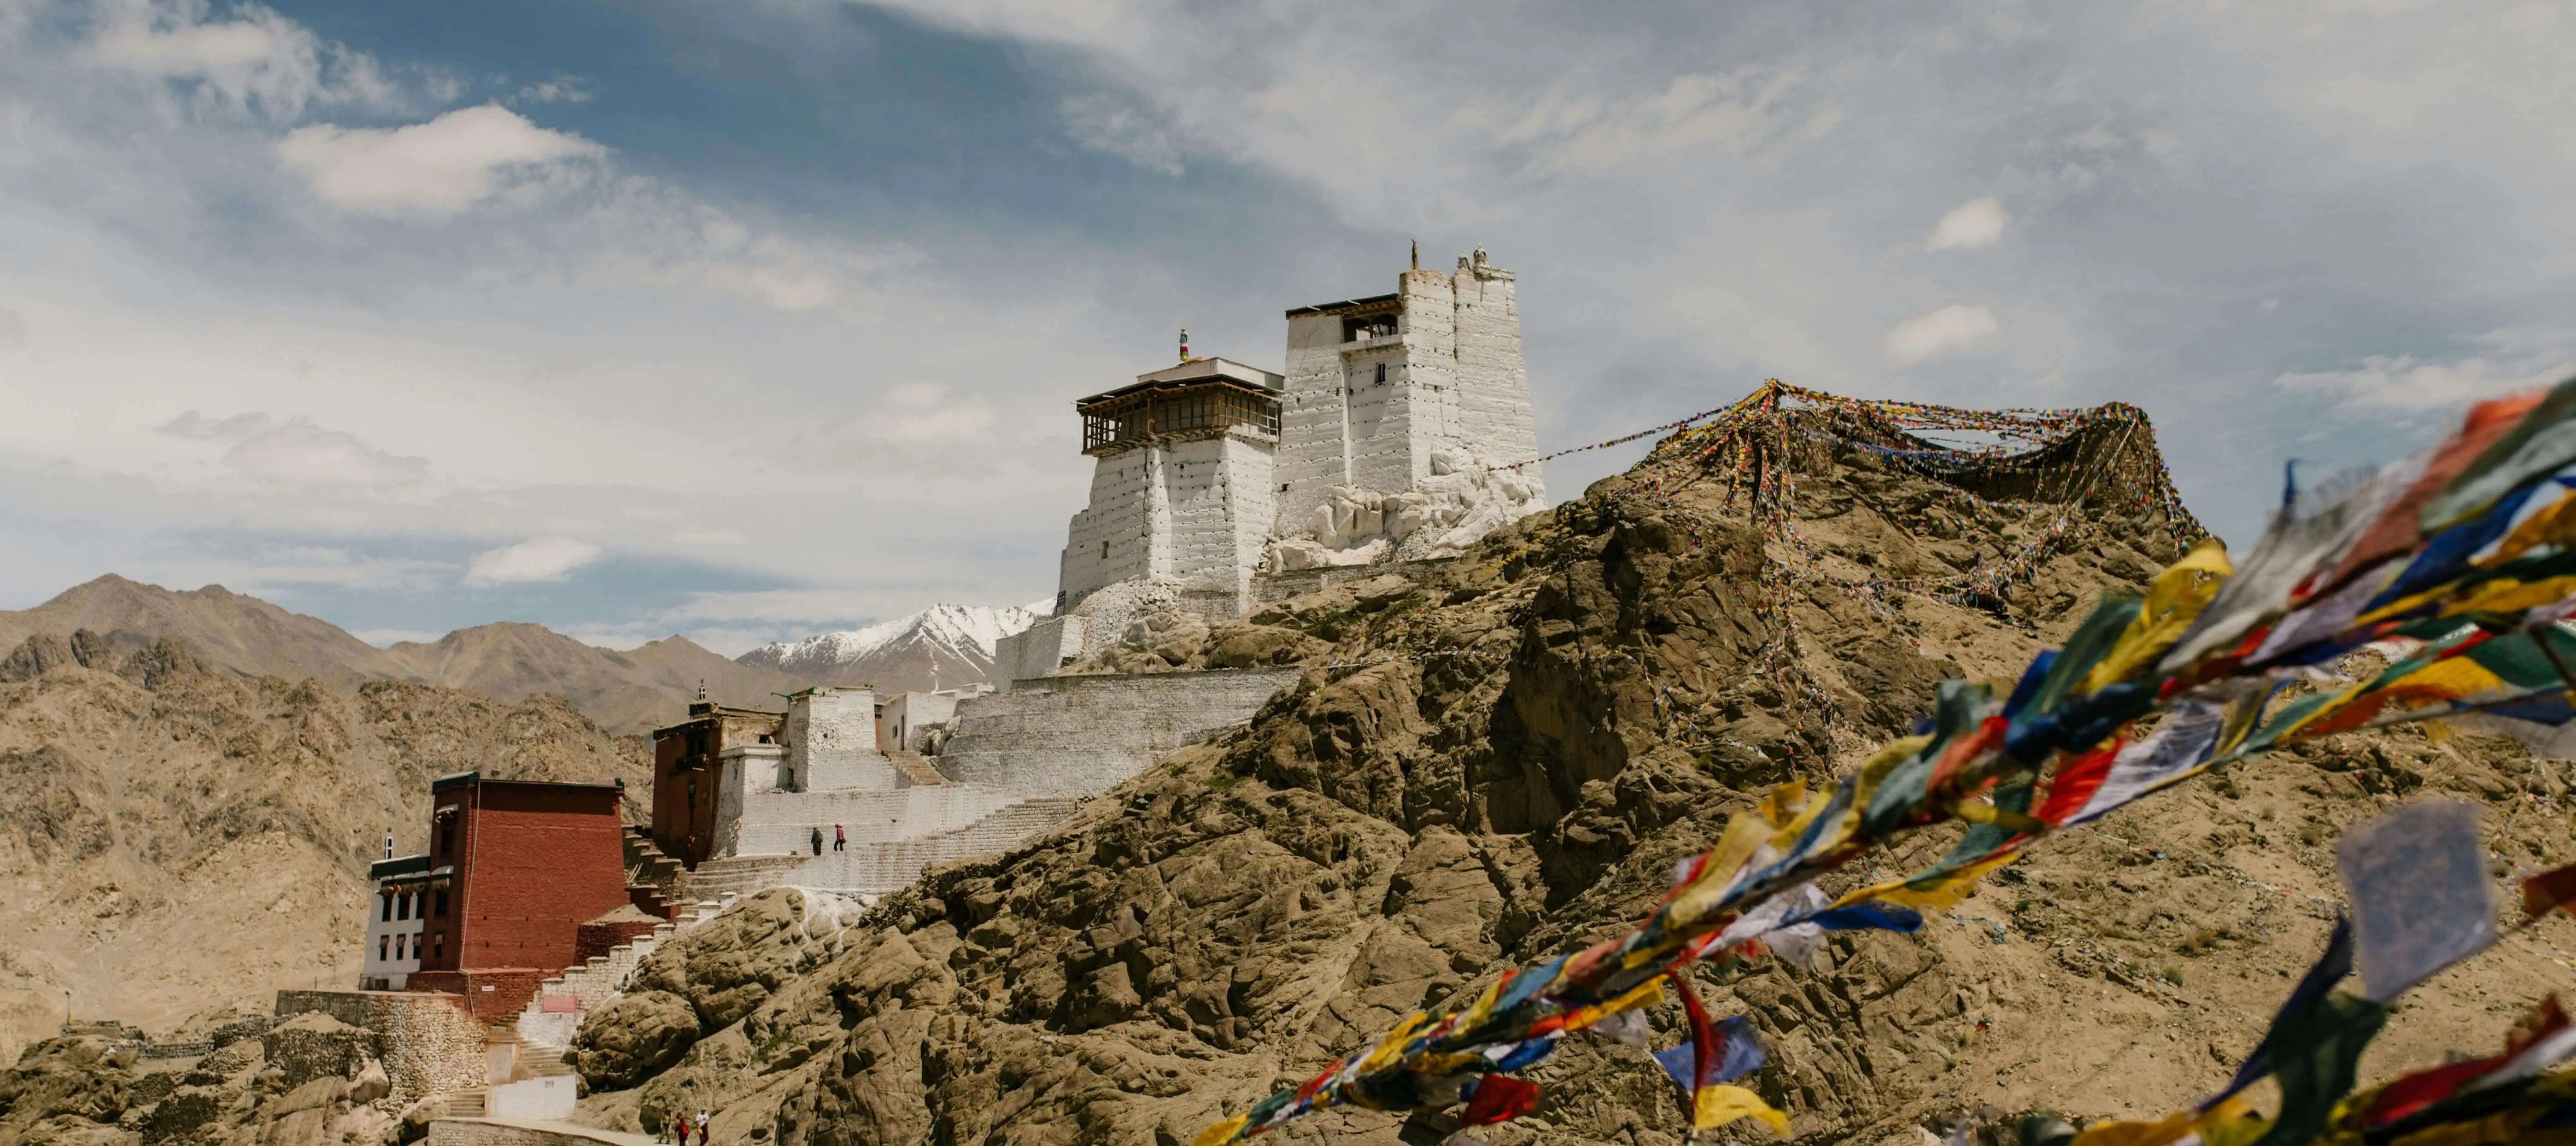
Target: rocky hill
{"points": [[1503, 760], [943, 646], [626, 692], [180, 839], [228, 630]]}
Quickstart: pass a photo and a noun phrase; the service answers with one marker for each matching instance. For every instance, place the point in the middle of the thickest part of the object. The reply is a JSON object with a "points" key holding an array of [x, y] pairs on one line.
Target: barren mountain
{"points": [[223, 628], [626, 692], [177, 840], [943, 646]]}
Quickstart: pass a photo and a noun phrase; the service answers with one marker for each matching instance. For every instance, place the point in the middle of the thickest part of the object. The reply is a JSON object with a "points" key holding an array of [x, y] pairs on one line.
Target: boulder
{"points": [[634, 1038], [370, 1085], [1237, 645]]}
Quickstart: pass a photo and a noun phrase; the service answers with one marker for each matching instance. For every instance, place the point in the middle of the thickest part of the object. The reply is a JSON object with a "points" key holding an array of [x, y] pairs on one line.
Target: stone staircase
{"points": [[591, 986], [465, 1103], [915, 767], [648, 866]]}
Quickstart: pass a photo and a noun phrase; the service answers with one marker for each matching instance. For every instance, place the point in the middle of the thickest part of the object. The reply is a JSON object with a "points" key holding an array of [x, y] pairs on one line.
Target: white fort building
{"points": [[1385, 439]]}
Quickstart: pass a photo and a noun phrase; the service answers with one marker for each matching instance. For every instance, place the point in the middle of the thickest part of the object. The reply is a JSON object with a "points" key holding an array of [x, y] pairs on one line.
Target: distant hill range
{"points": [[943, 646], [626, 692]]}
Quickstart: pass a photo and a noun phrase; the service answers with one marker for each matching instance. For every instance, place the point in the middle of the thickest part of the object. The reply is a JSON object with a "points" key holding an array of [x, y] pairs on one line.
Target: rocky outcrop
{"points": [[1500, 758], [636, 1036]]}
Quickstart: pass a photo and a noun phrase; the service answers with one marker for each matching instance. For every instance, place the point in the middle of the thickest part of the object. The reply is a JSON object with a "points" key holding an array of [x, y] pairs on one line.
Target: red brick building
{"points": [[516, 867]]}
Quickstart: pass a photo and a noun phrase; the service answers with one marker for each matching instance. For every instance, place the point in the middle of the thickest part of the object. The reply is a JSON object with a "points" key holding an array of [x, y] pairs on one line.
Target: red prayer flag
{"points": [[2549, 889], [2076, 780], [1499, 1098]]}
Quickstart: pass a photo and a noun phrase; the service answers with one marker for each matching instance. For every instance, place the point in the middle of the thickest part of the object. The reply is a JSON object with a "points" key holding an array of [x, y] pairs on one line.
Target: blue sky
{"points": [[746, 321]]}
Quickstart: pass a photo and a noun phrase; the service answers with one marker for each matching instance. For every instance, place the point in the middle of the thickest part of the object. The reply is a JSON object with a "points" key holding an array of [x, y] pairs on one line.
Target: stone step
{"points": [[915, 767], [465, 1104]]}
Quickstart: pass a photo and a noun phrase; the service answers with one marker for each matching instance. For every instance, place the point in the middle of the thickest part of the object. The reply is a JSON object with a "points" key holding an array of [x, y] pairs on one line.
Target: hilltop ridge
{"points": [[626, 692]]}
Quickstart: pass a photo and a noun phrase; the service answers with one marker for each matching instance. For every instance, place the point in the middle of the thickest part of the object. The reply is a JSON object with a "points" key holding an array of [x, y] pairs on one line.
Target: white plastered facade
{"points": [[1444, 388], [1404, 431]]}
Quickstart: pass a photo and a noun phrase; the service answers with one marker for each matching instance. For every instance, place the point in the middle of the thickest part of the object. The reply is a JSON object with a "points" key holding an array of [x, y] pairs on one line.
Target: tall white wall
{"points": [[1494, 420], [1313, 418], [1454, 381], [1109, 540], [1195, 511], [831, 738], [1038, 650]]}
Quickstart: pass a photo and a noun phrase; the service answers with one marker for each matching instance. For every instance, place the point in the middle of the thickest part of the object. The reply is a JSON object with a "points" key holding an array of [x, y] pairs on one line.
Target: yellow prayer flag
{"points": [[1720, 1104], [1391, 1047], [2174, 600], [1221, 1133], [1939, 896]]}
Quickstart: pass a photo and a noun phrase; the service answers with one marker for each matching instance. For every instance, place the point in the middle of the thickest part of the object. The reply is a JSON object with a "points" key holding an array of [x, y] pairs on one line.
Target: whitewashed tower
{"points": [[1181, 491], [1377, 387]]}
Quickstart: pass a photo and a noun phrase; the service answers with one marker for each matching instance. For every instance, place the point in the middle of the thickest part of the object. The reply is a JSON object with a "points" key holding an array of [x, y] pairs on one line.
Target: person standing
{"points": [[702, 1115], [818, 839], [840, 840]]}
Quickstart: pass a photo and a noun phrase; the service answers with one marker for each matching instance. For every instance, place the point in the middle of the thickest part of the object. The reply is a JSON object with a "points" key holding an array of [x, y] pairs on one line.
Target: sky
{"points": [[751, 320]]}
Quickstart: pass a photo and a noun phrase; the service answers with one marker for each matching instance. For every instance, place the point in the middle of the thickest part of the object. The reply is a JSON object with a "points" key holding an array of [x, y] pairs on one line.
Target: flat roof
{"points": [[1213, 368], [1345, 304], [399, 865], [461, 779], [1195, 372]]}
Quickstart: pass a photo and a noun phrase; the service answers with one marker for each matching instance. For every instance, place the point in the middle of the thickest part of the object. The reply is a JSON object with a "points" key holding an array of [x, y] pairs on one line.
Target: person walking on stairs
{"points": [[840, 841], [818, 839]]}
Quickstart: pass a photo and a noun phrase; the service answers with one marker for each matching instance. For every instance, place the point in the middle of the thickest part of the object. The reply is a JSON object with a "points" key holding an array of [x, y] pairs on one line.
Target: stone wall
{"points": [[428, 1042], [783, 823], [831, 736], [1193, 510], [1453, 380], [1494, 422], [490, 994], [1042, 648], [1081, 735], [485, 1132]]}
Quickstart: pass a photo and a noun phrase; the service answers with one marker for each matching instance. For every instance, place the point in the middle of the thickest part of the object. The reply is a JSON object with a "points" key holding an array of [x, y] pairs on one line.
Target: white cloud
{"points": [[561, 89], [297, 452], [924, 412], [434, 169], [2516, 360], [257, 59], [1973, 225], [1696, 114], [1114, 125], [1947, 330], [542, 559]]}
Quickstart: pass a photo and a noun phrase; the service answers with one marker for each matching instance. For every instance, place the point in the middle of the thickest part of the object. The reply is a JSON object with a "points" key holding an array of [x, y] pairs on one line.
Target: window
{"points": [[437, 948], [1104, 551], [1381, 374], [446, 834], [387, 916], [382, 941], [402, 906], [442, 903]]}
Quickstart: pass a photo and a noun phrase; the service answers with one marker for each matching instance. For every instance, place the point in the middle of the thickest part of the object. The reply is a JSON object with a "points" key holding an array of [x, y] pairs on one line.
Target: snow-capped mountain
{"points": [[943, 646]]}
